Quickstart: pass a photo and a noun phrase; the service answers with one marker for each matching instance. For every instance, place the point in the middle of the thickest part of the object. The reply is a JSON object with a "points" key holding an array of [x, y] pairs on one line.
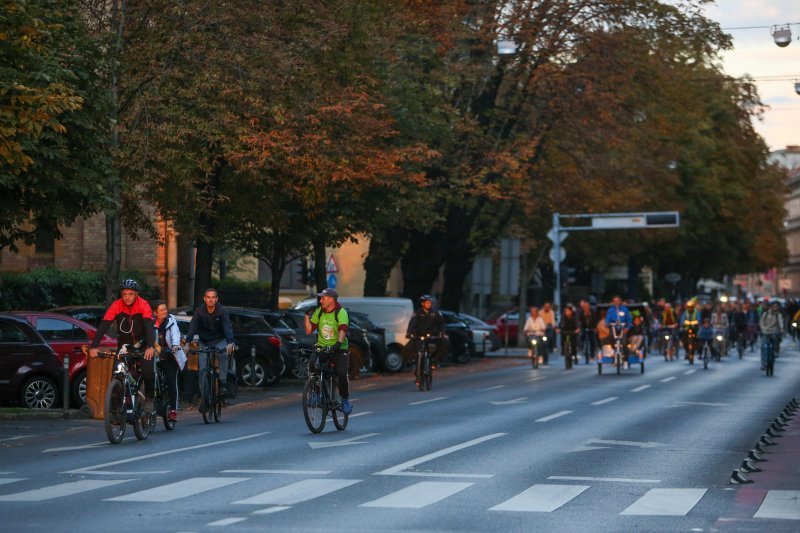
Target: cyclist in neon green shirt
{"points": [[330, 321]]}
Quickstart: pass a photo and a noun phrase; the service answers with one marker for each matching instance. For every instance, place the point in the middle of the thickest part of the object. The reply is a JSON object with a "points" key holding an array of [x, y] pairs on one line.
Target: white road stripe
{"points": [[271, 510], [226, 522], [492, 388], [419, 495], [706, 404], [425, 458], [362, 413], [62, 489], [551, 417], [178, 490], [541, 498], [612, 479], [665, 502], [607, 400], [667, 380], [71, 448], [639, 389], [18, 437], [89, 469], [782, 504], [690, 372], [297, 472], [537, 378], [7, 480], [302, 491], [428, 401]]}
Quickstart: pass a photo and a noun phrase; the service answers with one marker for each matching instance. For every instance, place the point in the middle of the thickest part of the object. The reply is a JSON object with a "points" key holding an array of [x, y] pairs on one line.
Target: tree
{"points": [[53, 123]]}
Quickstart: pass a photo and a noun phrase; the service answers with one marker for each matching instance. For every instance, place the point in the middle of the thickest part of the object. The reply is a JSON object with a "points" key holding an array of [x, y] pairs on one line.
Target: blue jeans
{"points": [[222, 359], [772, 338]]}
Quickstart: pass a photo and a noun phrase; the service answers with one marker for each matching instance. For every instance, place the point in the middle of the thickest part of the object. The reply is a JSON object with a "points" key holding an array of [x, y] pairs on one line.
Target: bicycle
{"points": [[319, 392], [768, 346], [706, 354], [691, 344], [537, 348], [124, 402], [567, 351], [740, 343], [669, 343], [427, 348], [210, 398], [588, 344], [161, 399], [619, 355]]}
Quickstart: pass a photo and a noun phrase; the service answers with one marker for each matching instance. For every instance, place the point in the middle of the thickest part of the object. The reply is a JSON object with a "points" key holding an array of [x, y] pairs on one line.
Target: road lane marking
{"points": [[541, 498], [428, 401], [553, 416], [270, 510], [419, 495], [82, 447], [537, 378], [345, 442], [302, 491], [7, 480], [362, 413], [612, 479], [18, 437], [62, 489], [782, 504], [178, 490], [690, 372], [707, 404], [632, 443], [290, 472], [667, 380], [607, 400], [641, 388], [398, 469], [93, 469], [510, 402], [491, 388], [665, 502], [226, 522]]}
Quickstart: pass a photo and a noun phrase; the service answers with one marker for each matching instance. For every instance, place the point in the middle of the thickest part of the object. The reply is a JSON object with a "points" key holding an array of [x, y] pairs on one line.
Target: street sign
{"points": [[331, 281], [552, 235], [669, 219], [331, 267], [672, 277], [563, 254]]}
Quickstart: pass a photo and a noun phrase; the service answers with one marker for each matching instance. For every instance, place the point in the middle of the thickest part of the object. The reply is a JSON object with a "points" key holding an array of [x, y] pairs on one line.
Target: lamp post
{"points": [[782, 35]]}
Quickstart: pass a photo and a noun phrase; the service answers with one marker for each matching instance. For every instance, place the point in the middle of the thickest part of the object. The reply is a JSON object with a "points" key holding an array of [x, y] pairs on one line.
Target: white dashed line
{"points": [[667, 380], [428, 401], [640, 389], [551, 417], [607, 400]]}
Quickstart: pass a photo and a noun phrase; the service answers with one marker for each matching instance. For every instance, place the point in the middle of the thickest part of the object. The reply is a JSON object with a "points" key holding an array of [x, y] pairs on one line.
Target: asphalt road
{"points": [[495, 446]]}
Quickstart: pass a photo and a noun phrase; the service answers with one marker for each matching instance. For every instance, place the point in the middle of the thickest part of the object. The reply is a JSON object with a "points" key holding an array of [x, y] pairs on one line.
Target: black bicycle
{"points": [[125, 399], [161, 399], [768, 347], [588, 337], [427, 348], [210, 386], [320, 396]]}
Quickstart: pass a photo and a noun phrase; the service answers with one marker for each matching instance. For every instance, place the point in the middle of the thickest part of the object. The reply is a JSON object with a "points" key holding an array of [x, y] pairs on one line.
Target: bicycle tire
{"points": [[216, 398], [115, 416], [534, 359], [599, 369], [568, 360], [705, 359], [428, 375], [142, 421], [206, 401], [314, 412], [340, 418]]}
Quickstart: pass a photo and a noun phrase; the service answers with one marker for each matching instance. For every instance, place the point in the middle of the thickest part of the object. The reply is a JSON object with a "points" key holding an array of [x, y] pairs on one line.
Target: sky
{"points": [[756, 54]]}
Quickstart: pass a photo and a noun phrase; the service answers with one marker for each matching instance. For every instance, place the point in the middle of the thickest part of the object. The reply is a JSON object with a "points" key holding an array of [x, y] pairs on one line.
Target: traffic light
{"points": [[303, 274]]}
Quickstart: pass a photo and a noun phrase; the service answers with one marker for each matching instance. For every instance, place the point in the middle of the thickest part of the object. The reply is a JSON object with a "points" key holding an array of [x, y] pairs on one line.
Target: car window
{"points": [[53, 329], [249, 324], [291, 322], [11, 333], [276, 322]]}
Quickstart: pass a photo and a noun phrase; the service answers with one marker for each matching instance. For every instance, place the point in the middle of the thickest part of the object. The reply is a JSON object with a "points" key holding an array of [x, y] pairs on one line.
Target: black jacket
{"points": [[426, 323], [211, 327]]}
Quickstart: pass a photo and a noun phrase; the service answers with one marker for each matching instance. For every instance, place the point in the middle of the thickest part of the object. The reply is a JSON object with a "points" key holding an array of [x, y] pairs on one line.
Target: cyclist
{"points": [[721, 324], [534, 330], [171, 357], [705, 335], [690, 322], [212, 324], [771, 324], [331, 321], [569, 328], [587, 318], [427, 321], [752, 323], [134, 320], [549, 316]]}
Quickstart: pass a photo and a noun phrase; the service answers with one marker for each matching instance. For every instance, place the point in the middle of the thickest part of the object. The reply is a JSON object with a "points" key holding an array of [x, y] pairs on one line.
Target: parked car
{"points": [[473, 337], [376, 338], [392, 314], [91, 314], [360, 350], [30, 372], [250, 329], [484, 335], [67, 336], [290, 345], [507, 324]]}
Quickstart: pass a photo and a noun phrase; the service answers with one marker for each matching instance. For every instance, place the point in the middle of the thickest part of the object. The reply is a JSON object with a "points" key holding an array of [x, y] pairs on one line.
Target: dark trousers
{"points": [[341, 363], [169, 365]]}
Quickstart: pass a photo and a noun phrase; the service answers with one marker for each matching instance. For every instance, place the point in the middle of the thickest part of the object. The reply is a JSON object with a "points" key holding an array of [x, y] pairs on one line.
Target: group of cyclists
{"points": [[662, 327]]}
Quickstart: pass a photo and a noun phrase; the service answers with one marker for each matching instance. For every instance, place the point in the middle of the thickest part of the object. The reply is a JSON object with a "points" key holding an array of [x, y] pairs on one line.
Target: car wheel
{"points": [[39, 392], [259, 374], [300, 368], [78, 389], [393, 361]]}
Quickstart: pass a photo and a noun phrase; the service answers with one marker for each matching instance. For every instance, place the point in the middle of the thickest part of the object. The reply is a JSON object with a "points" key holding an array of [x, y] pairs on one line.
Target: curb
{"points": [[41, 414]]}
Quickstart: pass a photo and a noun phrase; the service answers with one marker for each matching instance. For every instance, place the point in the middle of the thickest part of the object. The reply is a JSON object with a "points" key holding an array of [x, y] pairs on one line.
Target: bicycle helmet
{"points": [[426, 298], [130, 284]]}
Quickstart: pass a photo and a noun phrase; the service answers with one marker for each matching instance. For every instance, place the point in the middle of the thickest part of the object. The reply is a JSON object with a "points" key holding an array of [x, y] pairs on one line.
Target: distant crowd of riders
{"points": [[661, 326]]}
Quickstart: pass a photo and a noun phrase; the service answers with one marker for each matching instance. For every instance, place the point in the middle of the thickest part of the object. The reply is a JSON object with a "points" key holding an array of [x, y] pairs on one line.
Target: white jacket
{"points": [[535, 326], [173, 341]]}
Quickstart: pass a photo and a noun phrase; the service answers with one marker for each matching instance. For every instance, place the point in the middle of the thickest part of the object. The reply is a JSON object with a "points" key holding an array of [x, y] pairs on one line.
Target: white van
{"points": [[393, 314]]}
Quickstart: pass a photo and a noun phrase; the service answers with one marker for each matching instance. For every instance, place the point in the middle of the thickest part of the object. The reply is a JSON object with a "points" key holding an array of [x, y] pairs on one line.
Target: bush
{"points": [[47, 288]]}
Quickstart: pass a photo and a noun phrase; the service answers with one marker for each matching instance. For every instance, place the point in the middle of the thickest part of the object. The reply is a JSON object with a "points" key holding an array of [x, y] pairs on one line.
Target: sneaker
{"points": [[223, 393], [346, 407], [172, 416]]}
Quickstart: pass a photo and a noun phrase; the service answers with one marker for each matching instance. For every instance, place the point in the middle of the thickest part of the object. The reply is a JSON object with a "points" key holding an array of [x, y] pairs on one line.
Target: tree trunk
{"points": [[421, 263], [113, 251], [456, 270], [277, 265], [203, 264], [385, 250], [320, 274]]}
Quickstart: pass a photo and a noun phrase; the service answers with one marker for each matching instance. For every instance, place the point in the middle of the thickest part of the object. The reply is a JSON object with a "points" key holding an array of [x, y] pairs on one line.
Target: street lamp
{"points": [[782, 35]]}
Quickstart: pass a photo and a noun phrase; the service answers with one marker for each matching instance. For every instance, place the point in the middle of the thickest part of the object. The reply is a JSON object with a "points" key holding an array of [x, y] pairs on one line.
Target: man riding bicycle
{"points": [[331, 321], [134, 320], [427, 322], [212, 324], [690, 324], [619, 320], [771, 324]]}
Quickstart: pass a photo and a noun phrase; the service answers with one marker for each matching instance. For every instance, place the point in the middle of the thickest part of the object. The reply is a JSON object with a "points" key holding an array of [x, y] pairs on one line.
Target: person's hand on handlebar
{"points": [[230, 348], [93, 352], [149, 353]]}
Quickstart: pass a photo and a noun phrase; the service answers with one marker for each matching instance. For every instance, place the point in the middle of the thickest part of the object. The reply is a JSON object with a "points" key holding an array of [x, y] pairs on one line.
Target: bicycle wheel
{"points": [[206, 401], [428, 375], [340, 418], [115, 416], [421, 374], [705, 358], [314, 408], [143, 422], [216, 398], [568, 357]]}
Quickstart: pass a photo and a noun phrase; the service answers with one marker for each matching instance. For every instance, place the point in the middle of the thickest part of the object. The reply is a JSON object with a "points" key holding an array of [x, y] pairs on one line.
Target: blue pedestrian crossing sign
{"points": [[331, 281]]}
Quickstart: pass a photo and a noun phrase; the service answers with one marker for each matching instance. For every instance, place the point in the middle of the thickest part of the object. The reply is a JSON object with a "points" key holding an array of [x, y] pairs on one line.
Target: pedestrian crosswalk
{"points": [[537, 498]]}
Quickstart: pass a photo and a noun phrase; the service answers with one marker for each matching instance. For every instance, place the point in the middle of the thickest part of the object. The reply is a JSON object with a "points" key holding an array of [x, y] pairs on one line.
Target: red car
{"points": [[506, 321], [67, 336]]}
